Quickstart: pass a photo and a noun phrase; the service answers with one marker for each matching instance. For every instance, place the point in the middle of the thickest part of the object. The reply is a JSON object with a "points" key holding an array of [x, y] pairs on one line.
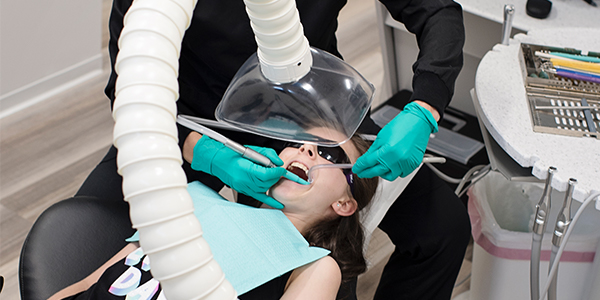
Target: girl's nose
{"points": [[308, 150]]}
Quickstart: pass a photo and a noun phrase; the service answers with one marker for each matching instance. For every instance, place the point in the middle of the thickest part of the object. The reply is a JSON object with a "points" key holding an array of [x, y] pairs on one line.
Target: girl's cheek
{"points": [[333, 180]]}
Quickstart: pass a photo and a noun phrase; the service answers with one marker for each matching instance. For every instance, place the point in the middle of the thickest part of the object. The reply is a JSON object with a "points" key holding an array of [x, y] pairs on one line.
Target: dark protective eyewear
{"points": [[335, 155]]}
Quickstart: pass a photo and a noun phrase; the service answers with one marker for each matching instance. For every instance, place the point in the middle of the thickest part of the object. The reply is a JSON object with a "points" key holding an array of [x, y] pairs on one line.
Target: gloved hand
{"points": [[400, 145], [240, 174]]}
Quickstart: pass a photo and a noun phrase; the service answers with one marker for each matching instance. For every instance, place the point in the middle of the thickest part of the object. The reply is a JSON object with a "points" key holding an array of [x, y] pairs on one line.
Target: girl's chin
{"points": [[287, 190]]}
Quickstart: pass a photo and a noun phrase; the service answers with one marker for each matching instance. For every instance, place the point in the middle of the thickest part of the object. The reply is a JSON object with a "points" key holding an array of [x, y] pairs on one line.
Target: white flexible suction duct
{"points": [[149, 158], [283, 51]]}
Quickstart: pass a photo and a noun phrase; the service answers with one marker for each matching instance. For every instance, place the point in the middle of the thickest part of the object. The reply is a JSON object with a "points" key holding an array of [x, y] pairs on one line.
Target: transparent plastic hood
{"points": [[332, 95]]}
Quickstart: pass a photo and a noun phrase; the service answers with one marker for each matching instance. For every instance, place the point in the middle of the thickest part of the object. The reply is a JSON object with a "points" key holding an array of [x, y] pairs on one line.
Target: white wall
{"points": [[46, 46]]}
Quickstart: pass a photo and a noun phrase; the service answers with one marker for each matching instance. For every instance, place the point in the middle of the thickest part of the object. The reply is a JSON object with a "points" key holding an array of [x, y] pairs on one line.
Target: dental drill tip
{"points": [[295, 178]]}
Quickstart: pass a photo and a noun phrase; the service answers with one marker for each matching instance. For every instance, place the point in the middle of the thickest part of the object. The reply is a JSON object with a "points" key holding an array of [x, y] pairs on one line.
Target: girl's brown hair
{"points": [[344, 236]]}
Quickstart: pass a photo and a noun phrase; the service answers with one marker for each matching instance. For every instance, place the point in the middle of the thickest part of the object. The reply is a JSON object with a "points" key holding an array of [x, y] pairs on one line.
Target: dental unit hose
{"points": [[539, 225], [563, 221], [561, 249], [426, 159]]}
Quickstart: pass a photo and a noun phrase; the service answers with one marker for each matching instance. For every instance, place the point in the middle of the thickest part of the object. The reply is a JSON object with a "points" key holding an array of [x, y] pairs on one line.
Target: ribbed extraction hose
{"points": [[149, 158], [283, 50]]}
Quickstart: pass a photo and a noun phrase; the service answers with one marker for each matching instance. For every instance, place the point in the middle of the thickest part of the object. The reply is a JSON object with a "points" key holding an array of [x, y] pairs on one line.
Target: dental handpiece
{"points": [[539, 225], [543, 206], [564, 216], [245, 152]]}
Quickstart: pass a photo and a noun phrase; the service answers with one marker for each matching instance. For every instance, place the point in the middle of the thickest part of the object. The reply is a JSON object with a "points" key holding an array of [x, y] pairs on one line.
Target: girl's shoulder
{"points": [[324, 264], [320, 279]]}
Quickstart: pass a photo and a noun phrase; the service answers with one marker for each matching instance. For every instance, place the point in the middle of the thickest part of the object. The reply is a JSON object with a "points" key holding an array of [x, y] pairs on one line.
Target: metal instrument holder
{"points": [[559, 105], [499, 160]]}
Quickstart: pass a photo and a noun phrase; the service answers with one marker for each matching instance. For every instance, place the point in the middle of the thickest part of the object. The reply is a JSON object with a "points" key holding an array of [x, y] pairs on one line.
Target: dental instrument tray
{"points": [[563, 89]]}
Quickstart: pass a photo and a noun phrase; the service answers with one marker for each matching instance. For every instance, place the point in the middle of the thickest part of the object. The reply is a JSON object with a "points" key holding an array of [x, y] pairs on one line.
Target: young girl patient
{"points": [[324, 212]]}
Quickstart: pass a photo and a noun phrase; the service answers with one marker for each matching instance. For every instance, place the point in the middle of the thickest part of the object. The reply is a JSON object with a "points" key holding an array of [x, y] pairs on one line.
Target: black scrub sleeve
{"points": [[119, 8], [440, 33], [115, 26]]}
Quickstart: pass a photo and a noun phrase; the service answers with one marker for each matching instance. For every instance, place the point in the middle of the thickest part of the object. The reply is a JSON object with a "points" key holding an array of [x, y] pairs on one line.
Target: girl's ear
{"points": [[345, 207]]}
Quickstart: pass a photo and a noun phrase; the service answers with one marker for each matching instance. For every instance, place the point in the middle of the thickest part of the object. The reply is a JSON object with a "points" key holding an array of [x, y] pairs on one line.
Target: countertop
{"points": [[501, 93]]}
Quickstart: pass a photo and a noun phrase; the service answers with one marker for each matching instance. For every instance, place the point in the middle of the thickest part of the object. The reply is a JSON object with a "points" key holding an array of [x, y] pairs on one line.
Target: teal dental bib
{"points": [[251, 245]]}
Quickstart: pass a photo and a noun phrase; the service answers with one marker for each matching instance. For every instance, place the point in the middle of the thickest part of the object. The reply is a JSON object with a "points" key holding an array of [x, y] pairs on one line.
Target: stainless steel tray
{"points": [[559, 105]]}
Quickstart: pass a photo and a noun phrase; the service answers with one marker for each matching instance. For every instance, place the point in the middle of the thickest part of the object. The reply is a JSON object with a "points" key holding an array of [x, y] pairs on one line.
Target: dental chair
{"points": [[74, 237], [70, 240]]}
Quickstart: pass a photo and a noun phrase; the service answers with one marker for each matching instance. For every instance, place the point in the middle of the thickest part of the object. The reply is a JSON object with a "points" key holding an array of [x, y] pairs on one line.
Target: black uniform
{"points": [[428, 224]]}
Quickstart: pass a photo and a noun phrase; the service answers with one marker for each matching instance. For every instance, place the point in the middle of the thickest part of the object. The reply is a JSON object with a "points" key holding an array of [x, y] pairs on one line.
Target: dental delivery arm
{"points": [[248, 170]]}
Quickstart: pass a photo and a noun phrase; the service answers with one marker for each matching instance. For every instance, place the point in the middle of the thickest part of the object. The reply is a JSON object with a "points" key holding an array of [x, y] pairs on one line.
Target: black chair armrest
{"points": [[70, 240]]}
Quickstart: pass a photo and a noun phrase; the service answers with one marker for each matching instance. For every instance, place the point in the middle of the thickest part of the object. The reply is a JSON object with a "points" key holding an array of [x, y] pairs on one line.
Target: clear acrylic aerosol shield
{"points": [[332, 95]]}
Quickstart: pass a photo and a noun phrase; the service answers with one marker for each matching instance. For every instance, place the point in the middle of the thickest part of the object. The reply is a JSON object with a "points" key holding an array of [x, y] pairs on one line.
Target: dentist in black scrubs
{"points": [[428, 224]]}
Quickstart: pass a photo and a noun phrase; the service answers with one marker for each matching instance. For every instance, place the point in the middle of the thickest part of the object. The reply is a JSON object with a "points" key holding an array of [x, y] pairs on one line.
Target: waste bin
{"points": [[501, 213]]}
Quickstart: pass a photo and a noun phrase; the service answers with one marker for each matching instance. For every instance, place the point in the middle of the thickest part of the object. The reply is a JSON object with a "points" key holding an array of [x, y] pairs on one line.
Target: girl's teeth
{"points": [[299, 165]]}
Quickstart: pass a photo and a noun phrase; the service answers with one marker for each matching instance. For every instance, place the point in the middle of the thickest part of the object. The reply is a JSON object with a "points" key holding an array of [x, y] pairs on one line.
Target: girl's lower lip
{"points": [[295, 183]]}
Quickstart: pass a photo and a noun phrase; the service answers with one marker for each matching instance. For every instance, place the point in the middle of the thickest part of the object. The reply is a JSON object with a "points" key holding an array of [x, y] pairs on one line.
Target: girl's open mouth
{"points": [[299, 169]]}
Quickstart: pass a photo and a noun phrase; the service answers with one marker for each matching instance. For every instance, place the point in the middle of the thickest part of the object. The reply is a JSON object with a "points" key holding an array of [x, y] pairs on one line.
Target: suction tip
{"points": [[295, 178]]}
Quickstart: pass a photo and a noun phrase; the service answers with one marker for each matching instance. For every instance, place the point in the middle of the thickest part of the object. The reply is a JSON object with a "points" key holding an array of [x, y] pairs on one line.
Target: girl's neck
{"points": [[301, 222]]}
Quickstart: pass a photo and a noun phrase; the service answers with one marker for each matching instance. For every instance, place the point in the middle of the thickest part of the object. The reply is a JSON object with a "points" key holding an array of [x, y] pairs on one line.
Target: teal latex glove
{"points": [[240, 174], [400, 145]]}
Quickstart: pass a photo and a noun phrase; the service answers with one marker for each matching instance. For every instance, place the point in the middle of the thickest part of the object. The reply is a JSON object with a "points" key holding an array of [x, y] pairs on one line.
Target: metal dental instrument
{"points": [[563, 221], [349, 166], [509, 12], [192, 123], [565, 107], [588, 116], [326, 166], [539, 225], [245, 152]]}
